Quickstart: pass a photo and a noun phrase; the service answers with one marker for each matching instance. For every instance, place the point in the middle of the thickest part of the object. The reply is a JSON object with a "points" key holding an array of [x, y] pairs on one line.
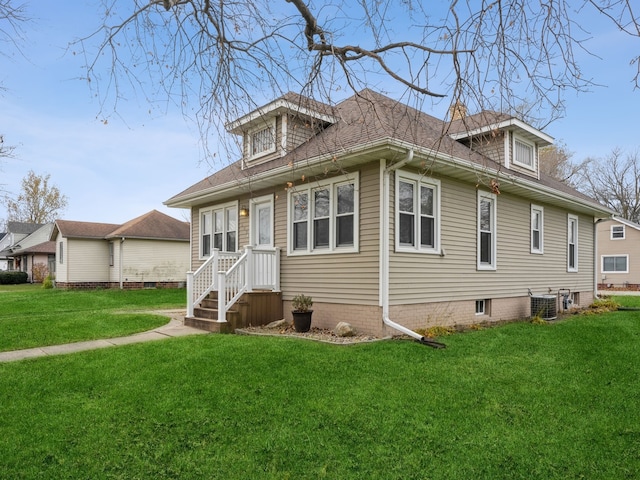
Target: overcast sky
{"points": [[118, 169]]}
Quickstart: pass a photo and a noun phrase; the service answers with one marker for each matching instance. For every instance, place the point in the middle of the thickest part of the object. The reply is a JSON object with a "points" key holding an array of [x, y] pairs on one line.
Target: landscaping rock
{"points": [[344, 329], [276, 324]]}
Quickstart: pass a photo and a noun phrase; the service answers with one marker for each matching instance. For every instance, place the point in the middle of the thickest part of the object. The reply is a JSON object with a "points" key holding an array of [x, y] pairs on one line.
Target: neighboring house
{"points": [[17, 231], [618, 254], [389, 217], [149, 251], [4, 263], [35, 254]]}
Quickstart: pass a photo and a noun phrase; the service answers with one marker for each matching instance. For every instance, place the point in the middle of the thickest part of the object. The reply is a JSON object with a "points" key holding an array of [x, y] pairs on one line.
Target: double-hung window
{"points": [[523, 153], [486, 231], [218, 229], [417, 213], [572, 243], [263, 140], [615, 264], [617, 232], [537, 229], [323, 218], [111, 254]]}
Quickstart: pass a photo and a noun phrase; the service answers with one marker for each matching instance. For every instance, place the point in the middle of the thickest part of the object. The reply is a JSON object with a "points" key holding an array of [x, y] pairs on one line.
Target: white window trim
{"points": [[418, 180], [533, 152], [537, 208], [267, 124], [332, 184], [253, 203], [484, 307], [613, 272], [494, 234], [212, 209], [570, 219], [624, 231]]}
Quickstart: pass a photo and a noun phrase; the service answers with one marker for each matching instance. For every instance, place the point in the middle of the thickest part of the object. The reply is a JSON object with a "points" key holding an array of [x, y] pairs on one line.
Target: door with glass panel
{"points": [[261, 218]]}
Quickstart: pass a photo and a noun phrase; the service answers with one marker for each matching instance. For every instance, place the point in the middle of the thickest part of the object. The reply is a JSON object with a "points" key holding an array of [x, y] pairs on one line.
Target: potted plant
{"points": [[301, 313]]}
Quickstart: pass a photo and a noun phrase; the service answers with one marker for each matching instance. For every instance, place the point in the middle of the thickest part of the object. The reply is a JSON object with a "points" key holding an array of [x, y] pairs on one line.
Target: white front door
{"points": [[261, 220]]}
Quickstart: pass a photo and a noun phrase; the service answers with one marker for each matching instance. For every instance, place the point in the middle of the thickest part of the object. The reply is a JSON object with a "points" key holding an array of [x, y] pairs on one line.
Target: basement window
{"points": [[482, 307]]}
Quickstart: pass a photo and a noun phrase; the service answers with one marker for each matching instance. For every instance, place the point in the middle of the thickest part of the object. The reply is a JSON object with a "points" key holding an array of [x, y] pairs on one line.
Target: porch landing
{"points": [[253, 309]]}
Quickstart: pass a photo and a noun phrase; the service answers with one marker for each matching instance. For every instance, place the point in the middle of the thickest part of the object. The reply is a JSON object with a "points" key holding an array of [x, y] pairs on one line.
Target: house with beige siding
{"points": [[149, 251], [30, 251], [391, 219], [16, 232], [618, 263]]}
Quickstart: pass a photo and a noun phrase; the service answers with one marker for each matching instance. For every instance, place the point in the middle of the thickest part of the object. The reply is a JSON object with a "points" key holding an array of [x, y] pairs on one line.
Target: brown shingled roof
{"points": [[72, 229], [366, 121], [44, 247], [365, 118], [154, 224]]}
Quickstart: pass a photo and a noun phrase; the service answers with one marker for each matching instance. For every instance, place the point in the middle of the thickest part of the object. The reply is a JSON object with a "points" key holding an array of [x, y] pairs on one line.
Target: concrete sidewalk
{"points": [[175, 328]]}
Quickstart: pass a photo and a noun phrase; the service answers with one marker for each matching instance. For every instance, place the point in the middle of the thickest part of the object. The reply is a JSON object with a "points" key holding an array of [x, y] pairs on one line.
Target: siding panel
{"points": [[338, 278], [433, 278]]}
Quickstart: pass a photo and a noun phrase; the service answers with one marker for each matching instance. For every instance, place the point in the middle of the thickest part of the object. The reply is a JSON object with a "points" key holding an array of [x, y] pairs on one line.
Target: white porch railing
{"points": [[233, 274]]}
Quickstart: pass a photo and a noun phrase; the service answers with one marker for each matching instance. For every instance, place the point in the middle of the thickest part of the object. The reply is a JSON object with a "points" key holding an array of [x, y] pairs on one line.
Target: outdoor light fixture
{"points": [[244, 212]]}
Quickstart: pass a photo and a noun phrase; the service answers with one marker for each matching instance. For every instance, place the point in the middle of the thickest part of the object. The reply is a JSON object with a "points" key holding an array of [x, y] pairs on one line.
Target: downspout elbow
{"points": [[419, 338]]}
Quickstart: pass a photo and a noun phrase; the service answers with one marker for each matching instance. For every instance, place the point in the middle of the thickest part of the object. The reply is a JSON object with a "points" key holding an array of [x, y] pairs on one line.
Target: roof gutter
{"points": [[384, 252], [386, 143]]}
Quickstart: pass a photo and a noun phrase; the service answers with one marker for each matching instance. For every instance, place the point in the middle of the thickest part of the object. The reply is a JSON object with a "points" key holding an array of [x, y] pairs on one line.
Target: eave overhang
{"points": [[394, 150], [525, 130], [274, 109]]}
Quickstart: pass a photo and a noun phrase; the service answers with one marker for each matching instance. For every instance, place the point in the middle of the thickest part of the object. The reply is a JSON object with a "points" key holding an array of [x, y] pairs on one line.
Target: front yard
{"points": [[31, 316], [517, 401]]}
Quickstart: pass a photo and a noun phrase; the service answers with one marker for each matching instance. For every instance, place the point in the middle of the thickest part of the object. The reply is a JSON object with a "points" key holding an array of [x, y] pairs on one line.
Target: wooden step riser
{"points": [[208, 325], [209, 303], [257, 308]]}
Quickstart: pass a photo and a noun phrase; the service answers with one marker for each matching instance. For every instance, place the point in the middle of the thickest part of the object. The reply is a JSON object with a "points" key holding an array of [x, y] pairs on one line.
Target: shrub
{"points": [[601, 305], [47, 282], [435, 332], [39, 272], [13, 278]]}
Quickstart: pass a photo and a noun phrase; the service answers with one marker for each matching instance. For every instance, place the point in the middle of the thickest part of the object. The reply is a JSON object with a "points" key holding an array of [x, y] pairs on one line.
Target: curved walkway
{"points": [[175, 328]]}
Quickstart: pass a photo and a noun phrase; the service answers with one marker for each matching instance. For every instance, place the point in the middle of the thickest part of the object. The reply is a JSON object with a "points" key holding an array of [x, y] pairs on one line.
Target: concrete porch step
{"points": [[209, 325]]}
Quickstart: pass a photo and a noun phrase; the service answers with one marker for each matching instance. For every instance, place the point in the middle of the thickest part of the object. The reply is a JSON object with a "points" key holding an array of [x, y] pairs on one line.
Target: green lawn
{"points": [[31, 316], [519, 401]]}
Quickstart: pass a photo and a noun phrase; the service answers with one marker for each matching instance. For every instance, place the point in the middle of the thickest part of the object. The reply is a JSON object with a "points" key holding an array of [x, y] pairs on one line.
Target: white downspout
{"points": [[384, 254], [595, 256], [120, 255]]}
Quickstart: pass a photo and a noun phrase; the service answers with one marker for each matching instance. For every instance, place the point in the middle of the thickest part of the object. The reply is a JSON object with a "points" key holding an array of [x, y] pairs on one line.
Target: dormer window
{"points": [[523, 153], [263, 141]]}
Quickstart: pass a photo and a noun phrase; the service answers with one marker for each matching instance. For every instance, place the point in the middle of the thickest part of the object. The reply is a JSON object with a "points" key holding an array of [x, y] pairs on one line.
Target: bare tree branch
{"points": [[231, 57], [615, 182]]}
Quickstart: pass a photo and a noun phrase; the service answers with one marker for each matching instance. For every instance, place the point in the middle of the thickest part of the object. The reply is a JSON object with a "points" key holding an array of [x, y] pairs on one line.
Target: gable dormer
{"points": [[277, 128], [505, 139]]}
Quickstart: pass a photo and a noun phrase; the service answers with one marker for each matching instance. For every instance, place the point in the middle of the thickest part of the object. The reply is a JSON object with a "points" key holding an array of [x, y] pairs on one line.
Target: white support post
{"points": [[222, 297], [249, 268], [190, 294], [276, 269]]}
